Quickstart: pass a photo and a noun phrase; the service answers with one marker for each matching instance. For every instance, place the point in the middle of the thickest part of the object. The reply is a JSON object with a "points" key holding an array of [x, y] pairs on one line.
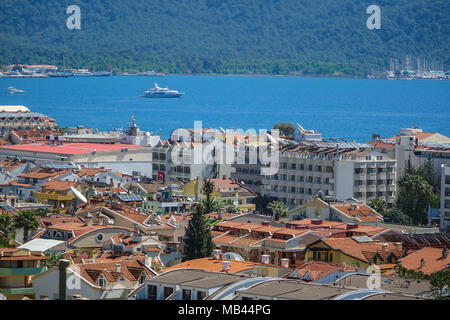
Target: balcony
{"points": [[14, 291], [20, 271]]}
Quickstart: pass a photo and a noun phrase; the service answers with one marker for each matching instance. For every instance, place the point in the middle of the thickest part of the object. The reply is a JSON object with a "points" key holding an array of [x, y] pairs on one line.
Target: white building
{"points": [[445, 197]]}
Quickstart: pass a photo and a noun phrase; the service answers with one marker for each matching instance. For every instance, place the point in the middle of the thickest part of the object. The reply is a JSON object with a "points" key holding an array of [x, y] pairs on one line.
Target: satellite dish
{"points": [[78, 195]]}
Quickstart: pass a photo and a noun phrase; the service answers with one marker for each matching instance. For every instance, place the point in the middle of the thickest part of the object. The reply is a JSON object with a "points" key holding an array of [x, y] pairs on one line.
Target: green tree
{"points": [[278, 208], [52, 260], [261, 202], [7, 226], [286, 129], [28, 220], [414, 197], [197, 241], [208, 189], [379, 205], [397, 216], [440, 280]]}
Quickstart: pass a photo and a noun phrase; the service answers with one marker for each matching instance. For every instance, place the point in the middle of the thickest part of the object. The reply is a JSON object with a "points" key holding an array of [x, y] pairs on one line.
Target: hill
{"points": [[224, 36]]}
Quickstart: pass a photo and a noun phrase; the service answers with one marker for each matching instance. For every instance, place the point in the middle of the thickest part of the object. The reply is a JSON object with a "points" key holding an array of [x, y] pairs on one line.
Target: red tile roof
{"points": [[71, 148], [318, 269], [428, 260], [59, 185], [214, 265]]}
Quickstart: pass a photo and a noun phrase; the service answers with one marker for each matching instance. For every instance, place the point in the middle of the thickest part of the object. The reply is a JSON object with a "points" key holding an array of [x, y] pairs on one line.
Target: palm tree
{"points": [[27, 220], [7, 226], [278, 208]]}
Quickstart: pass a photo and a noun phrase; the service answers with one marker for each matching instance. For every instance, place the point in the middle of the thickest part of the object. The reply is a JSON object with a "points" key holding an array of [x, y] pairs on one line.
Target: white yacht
{"points": [[158, 92], [12, 90], [82, 73]]}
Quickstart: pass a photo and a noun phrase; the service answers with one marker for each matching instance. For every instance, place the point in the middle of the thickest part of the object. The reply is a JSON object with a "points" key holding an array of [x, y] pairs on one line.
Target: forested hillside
{"points": [[224, 36]]}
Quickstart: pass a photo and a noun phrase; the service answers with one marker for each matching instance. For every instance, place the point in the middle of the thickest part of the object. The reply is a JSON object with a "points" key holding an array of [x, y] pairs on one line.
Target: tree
{"points": [[7, 226], [261, 202], [440, 280], [278, 208], [414, 197], [208, 189], [197, 241], [27, 220], [52, 260], [379, 205], [397, 216], [287, 129]]}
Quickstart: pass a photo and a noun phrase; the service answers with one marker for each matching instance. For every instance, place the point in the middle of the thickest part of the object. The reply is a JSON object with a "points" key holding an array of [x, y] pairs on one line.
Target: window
{"points": [[186, 294], [99, 237], [201, 295], [152, 290], [167, 292], [101, 281]]}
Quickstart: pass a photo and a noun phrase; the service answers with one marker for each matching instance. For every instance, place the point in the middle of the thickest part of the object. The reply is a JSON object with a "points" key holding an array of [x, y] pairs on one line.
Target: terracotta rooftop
{"points": [[214, 265], [71, 148], [318, 269], [359, 211], [59, 185], [428, 260]]}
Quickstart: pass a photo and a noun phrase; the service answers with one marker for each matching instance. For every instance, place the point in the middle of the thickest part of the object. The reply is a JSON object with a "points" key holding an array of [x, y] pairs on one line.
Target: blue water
{"points": [[350, 108]]}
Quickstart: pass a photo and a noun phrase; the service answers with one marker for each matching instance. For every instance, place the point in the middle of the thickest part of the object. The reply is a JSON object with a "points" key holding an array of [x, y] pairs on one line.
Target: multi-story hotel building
{"points": [[20, 118], [445, 197], [336, 170]]}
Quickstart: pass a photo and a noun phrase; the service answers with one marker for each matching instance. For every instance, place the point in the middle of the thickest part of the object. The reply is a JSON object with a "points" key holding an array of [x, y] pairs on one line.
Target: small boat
{"points": [[12, 90], [158, 92], [102, 74], [59, 74], [81, 73], [151, 74]]}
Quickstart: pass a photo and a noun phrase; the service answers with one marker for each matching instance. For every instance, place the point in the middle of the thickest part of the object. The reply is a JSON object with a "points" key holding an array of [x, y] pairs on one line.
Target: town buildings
{"points": [[445, 198], [21, 118]]}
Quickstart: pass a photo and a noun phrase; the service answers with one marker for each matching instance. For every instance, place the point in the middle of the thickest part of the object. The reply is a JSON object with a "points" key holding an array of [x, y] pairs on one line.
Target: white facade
{"points": [[445, 197]]}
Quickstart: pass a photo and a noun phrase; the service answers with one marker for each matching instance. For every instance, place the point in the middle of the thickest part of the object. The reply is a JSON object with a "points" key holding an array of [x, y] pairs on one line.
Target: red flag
{"points": [[161, 175]]}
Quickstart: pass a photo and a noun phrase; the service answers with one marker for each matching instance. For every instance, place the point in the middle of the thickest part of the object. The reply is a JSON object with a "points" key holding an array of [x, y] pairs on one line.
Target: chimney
{"points": [[118, 268], [444, 253], [265, 259], [284, 263], [63, 264], [384, 247], [88, 221], [422, 263], [225, 265], [399, 246], [352, 226], [216, 254], [148, 261]]}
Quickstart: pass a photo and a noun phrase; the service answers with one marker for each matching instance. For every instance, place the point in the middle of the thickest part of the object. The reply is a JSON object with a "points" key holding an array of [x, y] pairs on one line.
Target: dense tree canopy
{"points": [[224, 36]]}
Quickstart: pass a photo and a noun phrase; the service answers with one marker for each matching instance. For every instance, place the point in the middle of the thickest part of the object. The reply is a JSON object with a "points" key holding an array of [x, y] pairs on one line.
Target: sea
{"points": [[351, 109]]}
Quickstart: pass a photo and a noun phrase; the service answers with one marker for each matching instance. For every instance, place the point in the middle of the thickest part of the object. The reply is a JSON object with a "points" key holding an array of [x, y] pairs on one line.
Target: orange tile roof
{"points": [[130, 268], [318, 269], [214, 265], [59, 185], [361, 212], [363, 251], [11, 164], [20, 184], [38, 175], [428, 260]]}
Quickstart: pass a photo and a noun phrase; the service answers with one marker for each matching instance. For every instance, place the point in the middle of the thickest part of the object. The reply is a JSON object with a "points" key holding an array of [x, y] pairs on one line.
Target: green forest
{"points": [[309, 37]]}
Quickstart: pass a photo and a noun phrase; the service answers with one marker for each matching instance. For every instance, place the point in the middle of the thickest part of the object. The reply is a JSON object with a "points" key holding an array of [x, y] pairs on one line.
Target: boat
{"points": [[59, 74], [151, 74], [12, 90], [81, 73], [158, 92], [102, 74]]}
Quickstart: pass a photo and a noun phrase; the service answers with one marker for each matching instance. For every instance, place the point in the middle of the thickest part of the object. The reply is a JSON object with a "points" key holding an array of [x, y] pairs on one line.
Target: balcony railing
{"points": [[21, 271]]}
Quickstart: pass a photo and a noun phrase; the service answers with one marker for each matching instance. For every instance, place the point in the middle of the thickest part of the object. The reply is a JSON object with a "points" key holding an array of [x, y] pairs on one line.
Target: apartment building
{"points": [[337, 170], [445, 197]]}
